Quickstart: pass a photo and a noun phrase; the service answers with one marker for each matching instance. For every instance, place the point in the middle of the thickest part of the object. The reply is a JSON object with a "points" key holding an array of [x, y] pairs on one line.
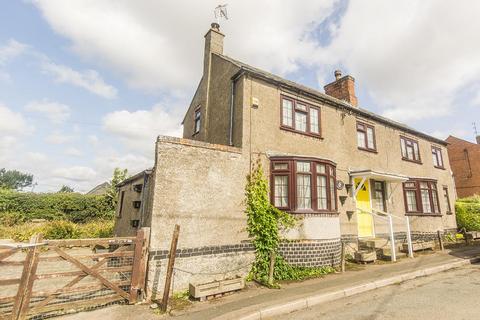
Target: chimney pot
{"points": [[338, 74], [215, 26]]}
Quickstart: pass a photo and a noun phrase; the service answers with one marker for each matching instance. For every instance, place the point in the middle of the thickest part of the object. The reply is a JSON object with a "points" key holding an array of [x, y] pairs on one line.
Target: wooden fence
{"points": [[51, 277]]}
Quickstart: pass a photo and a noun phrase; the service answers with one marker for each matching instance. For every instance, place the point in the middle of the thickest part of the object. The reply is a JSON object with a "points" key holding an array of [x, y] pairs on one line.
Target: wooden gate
{"points": [[51, 277]]}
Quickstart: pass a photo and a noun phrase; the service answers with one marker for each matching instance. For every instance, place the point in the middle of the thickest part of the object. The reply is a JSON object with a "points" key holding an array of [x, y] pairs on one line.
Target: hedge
{"points": [[17, 207], [468, 213]]}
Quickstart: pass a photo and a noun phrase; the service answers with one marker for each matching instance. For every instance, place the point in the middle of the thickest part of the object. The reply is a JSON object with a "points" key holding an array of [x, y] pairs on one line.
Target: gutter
{"points": [[234, 79]]}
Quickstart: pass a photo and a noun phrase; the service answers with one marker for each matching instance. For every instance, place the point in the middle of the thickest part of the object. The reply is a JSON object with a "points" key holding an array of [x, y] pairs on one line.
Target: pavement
{"points": [[423, 298], [262, 303]]}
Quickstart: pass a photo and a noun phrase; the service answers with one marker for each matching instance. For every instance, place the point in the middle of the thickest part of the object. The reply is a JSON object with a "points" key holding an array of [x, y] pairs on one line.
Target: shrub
{"points": [[468, 213], [75, 207], [61, 229]]}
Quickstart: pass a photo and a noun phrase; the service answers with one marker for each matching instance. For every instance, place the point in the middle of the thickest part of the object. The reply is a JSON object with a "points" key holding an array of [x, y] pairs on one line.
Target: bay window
{"points": [[300, 117], [303, 185], [421, 196]]}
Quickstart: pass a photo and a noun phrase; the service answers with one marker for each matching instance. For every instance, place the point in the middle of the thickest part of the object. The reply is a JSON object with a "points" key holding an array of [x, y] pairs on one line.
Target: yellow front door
{"points": [[364, 220]]}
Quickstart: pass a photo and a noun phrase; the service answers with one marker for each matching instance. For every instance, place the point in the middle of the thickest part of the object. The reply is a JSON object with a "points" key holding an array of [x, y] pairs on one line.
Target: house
{"points": [[345, 173], [464, 157], [132, 203], [99, 190]]}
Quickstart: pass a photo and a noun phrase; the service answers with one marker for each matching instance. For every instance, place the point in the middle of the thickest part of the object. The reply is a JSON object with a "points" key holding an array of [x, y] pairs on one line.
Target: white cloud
{"points": [[412, 57], [58, 137], [12, 122], [75, 173], [139, 129], [158, 44], [54, 111], [74, 152], [88, 79], [11, 50]]}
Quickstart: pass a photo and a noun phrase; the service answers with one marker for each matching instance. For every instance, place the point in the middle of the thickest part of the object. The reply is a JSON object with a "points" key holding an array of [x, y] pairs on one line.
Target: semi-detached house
{"points": [[344, 172]]}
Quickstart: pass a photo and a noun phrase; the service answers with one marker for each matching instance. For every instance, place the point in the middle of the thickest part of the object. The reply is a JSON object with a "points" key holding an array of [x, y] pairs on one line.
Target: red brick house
{"points": [[464, 159]]}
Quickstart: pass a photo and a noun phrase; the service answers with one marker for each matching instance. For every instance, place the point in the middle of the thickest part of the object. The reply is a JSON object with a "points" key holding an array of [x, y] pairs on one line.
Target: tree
{"points": [[66, 189], [112, 193], [13, 179]]}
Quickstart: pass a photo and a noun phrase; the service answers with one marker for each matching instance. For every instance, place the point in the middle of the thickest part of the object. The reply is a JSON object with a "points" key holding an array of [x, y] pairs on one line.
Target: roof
{"points": [[451, 138], [135, 177], [100, 189], [269, 77], [377, 175]]}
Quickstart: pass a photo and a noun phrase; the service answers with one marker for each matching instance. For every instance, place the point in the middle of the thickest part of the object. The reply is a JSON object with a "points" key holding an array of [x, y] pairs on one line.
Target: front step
{"points": [[386, 254], [365, 256]]}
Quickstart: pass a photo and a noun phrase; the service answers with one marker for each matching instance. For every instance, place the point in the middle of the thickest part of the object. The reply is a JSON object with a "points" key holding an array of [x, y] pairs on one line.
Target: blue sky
{"points": [[85, 86]]}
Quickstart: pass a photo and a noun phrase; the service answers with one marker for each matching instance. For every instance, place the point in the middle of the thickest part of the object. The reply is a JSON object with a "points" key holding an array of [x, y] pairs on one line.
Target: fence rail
{"points": [[45, 278]]}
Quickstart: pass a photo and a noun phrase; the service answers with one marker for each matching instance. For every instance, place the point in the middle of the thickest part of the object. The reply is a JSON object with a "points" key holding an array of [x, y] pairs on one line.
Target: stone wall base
{"points": [[311, 253]]}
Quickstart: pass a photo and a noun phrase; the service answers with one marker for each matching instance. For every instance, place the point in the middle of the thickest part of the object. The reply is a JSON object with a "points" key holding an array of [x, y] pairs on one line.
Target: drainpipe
{"points": [[234, 79]]}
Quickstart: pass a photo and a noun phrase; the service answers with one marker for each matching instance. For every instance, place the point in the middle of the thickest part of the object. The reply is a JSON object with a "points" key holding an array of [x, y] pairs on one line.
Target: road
{"points": [[451, 295]]}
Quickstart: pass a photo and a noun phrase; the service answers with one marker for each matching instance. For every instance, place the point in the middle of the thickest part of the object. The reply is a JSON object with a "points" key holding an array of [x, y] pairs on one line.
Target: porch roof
{"points": [[377, 175]]}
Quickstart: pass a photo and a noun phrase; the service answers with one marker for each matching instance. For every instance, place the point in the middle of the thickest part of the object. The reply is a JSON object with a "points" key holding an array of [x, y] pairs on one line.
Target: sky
{"points": [[86, 86]]}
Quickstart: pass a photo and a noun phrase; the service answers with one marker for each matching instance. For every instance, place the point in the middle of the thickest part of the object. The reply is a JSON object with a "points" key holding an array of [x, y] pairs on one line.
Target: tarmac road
{"points": [[451, 295]]}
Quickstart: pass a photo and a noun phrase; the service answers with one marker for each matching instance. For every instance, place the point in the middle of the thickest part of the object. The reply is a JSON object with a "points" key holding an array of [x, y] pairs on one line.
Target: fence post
{"points": [[271, 268], [140, 261], [440, 240], [22, 300], [171, 262]]}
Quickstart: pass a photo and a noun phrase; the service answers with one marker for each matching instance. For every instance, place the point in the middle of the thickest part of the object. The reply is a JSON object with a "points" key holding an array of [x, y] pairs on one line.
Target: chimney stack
{"points": [[213, 44], [343, 88]]}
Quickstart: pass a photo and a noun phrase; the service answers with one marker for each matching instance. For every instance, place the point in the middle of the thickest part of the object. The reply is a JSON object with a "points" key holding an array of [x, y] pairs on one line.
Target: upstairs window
{"points": [[421, 196], [303, 185], [197, 121], [300, 117], [366, 137], [437, 157], [410, 151]]}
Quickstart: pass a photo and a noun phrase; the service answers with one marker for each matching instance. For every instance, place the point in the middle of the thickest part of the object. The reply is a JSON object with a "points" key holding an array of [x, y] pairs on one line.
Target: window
{"points": [[303, 185], [410, 151], [421, 196], [437, 157], [366, 137], [197, 121], [300, 117], [378, 195], [447, 200]]}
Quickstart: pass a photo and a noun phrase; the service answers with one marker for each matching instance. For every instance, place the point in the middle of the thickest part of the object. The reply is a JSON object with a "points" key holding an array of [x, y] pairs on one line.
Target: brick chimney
{"points": [[343, 88], [213, 44]]}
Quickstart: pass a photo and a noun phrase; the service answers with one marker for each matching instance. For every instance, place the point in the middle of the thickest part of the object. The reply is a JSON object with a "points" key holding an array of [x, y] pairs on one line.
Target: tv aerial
{"points": [[220, 12]]}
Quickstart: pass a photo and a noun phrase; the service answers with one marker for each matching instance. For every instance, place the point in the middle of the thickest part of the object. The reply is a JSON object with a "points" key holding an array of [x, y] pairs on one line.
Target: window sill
{"points": [[368, 150], [316, 136], [196, 133], [420, 214], [413, 161], [313, 212], [441, 168]]}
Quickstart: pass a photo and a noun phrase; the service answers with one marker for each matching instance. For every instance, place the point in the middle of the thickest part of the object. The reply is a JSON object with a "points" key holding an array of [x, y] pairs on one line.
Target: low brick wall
{"points": [[311, 253]]}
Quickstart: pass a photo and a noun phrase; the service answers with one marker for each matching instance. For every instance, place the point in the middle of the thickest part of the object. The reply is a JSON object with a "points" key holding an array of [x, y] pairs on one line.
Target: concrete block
{"points": [[325, 297], [365, 256], [420, 245], [359, 289], [284, 308]]}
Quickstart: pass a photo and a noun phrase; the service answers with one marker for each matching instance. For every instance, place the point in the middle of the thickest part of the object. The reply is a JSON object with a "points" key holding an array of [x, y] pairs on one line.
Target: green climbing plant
{"points": [[264, 225]]}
